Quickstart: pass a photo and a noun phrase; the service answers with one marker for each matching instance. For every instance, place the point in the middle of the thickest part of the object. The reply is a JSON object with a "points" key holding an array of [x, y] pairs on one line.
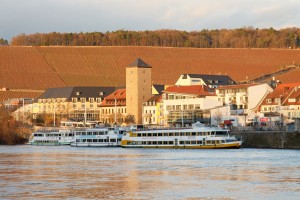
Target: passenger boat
{"points": [[53, 137], [98, 137], [196, 137]]}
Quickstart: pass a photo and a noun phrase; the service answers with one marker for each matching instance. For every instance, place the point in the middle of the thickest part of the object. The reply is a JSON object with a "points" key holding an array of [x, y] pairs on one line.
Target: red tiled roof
{"points": [[283, 91], [119, 95], [198, 90]]}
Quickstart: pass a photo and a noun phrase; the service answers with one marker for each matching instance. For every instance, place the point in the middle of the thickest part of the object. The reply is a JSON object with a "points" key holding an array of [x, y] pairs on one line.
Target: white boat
{"points": [[98, 137], [53, 137], [196, 137]]}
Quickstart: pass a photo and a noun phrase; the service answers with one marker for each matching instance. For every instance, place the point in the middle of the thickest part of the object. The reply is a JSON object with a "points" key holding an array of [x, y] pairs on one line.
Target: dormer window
{"points": [[269, 100], [78, 93], [101, 93]]}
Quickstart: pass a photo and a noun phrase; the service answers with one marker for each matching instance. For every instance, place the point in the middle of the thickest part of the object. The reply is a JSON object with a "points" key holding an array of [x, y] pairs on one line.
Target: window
{"points": [[269, 100]]}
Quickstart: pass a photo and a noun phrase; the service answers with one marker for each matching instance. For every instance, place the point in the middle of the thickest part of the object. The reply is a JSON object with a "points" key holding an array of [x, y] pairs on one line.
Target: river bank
{"points": [[269, 139]]}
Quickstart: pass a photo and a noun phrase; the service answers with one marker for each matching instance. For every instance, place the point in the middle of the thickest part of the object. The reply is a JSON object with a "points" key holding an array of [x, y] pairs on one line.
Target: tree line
{"points": [[247, 37]]}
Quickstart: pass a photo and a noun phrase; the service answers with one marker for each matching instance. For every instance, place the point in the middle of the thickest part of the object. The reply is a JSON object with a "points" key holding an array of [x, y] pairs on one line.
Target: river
{"points": [[64, 172]]}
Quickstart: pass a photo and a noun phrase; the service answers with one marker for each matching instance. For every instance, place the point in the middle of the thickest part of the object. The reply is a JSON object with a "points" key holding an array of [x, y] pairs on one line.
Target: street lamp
{"points": [[115, 111]]}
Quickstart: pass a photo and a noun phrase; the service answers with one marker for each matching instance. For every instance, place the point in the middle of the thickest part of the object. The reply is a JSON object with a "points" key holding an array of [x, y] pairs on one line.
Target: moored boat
{"points": [[98, 137], [196, 137], [53, 137]]}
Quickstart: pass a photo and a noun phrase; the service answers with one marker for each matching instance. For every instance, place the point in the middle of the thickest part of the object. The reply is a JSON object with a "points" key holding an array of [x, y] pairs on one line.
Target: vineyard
{"points": [[45, 67]]}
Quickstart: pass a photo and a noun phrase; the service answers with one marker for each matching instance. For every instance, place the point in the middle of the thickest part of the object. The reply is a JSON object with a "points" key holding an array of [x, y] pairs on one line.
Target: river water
{"points": [[35, 172]]}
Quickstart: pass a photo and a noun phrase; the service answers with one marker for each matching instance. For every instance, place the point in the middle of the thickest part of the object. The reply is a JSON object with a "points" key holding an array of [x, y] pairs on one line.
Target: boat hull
{"points": [[236, 145]]}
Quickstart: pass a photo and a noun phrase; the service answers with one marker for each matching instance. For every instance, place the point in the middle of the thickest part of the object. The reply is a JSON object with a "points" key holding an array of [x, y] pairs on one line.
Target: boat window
{"points": [[193, 142], [171, 142], [193, 133], [154, 142], [165, 142], [223, 141], [213, 142], [77, 140], [89, 140], [89, 133], [112, 140], [176, 134], [159, 142], [181, 142], [95, 140], [155, 134], [128, 143], [199, 142], [171, 134], [188, 134], [148, 142], [100, 140], [144, 143], [133, 143], [166, 134], [159, 134], [139, 134], [144, 134], [187, 142], [149, 134], [95, 133], [182, 134], [84, 140], [83, 133], [104, 140]]}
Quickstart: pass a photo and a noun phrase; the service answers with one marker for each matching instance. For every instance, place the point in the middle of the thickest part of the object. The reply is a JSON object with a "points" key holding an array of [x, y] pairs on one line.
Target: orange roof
{"points": [[119, 96], [283, 91], [198, 90]]}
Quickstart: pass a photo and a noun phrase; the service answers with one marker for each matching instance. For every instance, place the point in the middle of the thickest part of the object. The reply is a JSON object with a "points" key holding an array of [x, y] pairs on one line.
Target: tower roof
{"points": [[139, 63]]}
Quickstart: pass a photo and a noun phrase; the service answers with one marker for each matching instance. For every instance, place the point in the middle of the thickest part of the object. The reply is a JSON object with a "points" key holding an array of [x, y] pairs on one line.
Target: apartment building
{"points": [[283, 101], [77, 103], [113, 108], [244, 98], [184, 105]]}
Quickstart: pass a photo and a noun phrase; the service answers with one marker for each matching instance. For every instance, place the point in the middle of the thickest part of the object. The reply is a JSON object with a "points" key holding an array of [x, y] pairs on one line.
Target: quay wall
{"points": [[269, 139]]}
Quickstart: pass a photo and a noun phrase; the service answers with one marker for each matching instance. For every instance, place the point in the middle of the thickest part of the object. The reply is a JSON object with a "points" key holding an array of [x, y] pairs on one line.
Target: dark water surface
{"points": [[32, 172]]}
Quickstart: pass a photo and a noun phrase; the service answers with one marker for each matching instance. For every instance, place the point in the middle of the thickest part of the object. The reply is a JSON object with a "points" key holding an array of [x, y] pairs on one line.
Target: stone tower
{"points": [[138, 88]]}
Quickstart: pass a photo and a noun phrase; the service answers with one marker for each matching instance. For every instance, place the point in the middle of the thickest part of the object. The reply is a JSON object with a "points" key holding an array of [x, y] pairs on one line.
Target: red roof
{"points": [[284, 92], [198, 90], [118, 95]]}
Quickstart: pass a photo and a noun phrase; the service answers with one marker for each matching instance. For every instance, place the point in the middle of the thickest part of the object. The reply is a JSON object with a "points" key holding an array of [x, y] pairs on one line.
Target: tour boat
{"points": [[53, 137], [98, 137], [196, 137]]}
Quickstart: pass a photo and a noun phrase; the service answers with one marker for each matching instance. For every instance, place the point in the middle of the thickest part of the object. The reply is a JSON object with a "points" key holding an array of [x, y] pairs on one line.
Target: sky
{"points": [[45, 16]]}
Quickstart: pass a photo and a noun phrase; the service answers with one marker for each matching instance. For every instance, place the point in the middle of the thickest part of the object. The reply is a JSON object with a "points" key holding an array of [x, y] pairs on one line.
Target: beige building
{"points": [[138, 88], [77, 103]]}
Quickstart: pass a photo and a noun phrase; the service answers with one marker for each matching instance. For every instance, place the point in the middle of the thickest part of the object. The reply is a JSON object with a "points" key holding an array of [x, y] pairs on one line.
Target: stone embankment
{"points": [[269, 139]]}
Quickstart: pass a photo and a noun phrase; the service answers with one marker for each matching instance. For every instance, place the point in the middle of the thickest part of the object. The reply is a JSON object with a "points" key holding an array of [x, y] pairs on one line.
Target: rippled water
{"points": [[114, 173]]}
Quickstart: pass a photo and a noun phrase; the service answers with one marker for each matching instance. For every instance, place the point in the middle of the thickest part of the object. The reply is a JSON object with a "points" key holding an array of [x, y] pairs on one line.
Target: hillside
{"points": [[39, 68]]}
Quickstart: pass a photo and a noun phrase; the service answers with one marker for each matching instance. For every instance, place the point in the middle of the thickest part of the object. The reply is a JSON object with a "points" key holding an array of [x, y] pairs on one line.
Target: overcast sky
{"points": [[43, 16]]}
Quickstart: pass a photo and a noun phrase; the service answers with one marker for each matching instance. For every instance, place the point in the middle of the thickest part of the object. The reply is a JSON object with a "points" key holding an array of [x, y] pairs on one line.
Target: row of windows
{"points": [[180, 134], [91, 133], [83, 100], [189, 142], [112, 110], [96, 140], [53, 135], [185, 107]]}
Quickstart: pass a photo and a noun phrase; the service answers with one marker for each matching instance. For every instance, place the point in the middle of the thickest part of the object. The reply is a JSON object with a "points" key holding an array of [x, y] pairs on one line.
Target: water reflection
{"points": [[115, 173]]}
